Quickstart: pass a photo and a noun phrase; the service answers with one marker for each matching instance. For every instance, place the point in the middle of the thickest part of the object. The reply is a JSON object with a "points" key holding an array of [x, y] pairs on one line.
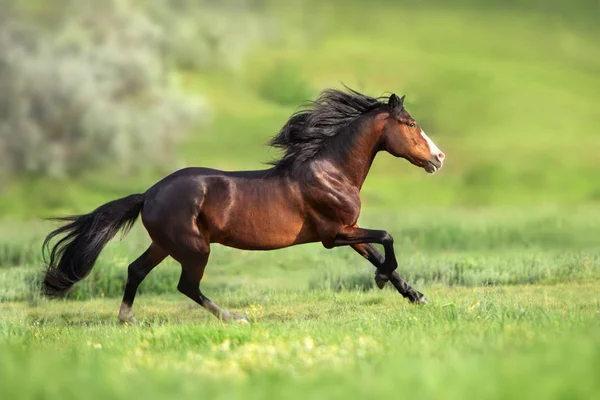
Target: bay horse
{"points": [[311, 194]]}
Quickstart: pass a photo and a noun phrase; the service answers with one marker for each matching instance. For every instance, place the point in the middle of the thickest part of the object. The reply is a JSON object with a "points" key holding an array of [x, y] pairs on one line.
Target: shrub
{"points": [[92, 92]]}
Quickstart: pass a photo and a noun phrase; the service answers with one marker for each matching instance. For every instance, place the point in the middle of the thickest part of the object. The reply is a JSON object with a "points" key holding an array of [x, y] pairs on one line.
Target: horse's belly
{"points": [[255, 214], [261, 226], [264, 233]]}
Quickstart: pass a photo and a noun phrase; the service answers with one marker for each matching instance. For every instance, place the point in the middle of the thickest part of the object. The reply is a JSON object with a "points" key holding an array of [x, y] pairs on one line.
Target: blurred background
{"points": [[99, 99]]}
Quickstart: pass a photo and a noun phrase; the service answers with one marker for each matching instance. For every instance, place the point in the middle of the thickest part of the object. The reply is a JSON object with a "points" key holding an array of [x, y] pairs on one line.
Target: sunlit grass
{"points": [[515, 309], [466, 340]]}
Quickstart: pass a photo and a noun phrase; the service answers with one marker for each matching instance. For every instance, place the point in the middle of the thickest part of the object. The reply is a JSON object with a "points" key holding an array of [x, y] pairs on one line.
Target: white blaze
{"points": [[432, 147]]}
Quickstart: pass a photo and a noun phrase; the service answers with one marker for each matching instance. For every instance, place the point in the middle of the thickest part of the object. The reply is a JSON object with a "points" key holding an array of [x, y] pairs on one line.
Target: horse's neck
{"points": [[358, 158]]}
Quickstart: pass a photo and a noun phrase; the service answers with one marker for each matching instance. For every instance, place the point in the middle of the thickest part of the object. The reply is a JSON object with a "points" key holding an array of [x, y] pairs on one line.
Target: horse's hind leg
{"points": [[137, 271], [193, 264]]}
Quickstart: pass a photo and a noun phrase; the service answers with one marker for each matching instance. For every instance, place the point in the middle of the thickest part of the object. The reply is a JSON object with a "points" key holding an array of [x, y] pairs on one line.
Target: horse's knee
{"points": [[387, 239]]}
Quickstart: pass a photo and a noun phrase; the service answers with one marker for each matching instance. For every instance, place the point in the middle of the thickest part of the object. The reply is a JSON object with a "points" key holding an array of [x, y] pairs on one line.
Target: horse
{"points": [[309, 195]]}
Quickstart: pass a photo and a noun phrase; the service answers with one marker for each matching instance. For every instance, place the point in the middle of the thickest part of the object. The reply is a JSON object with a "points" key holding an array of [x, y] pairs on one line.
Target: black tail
{"points": [[72, 258]]}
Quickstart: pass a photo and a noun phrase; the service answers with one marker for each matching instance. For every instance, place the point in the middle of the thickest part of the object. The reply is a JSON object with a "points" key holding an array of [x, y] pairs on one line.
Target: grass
{"points": [[515, 313], [522, 341]]}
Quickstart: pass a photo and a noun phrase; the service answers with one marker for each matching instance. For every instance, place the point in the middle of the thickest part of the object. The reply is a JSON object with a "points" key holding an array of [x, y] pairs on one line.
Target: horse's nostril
{"points": [[441, 156]]}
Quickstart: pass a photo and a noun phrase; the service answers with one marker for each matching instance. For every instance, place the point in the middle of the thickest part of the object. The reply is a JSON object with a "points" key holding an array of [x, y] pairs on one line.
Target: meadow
{"points": [[515, 313], [503, 240]]}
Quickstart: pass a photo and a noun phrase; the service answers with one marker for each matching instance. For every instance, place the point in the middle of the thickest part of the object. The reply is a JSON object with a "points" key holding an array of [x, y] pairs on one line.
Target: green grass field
{"points": [[520, 341], [504, 240], [515, 313]]}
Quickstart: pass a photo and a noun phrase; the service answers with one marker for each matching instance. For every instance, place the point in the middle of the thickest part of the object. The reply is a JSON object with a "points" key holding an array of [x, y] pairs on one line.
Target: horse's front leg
{"points": [[360, 240], [373, 255], [369, 251]]}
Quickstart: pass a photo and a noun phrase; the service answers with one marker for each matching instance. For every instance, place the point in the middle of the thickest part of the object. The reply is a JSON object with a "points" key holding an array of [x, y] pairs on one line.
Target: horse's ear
{"points": [[393, 101]]}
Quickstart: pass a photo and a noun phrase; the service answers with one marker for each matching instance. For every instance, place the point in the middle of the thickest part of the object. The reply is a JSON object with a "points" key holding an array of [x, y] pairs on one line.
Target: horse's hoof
{"points": [[126, 315], [381, 280], [240, 318], [420, 300]]}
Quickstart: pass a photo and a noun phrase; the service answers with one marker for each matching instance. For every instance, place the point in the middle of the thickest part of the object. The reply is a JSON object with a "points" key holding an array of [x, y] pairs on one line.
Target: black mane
{"points": [[309, 130]]}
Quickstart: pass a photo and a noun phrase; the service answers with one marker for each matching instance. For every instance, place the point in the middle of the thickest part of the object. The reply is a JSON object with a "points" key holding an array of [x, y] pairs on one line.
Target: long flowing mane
{"points": [[309, 129]]}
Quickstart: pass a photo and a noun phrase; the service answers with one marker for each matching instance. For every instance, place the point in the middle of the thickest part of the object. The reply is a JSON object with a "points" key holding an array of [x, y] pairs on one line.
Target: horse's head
{"points": [[403, 137]]}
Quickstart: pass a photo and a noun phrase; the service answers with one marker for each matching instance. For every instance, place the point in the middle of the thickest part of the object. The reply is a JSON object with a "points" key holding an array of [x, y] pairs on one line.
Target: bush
{"points": [[92, 92]]}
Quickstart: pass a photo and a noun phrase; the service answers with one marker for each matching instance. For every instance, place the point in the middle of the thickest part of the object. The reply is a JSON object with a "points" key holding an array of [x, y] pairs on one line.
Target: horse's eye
{"points": [[412, 124]]}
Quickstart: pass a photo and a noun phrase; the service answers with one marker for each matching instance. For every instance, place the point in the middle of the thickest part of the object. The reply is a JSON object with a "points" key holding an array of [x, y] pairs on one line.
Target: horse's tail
{"points": [[72, 258]]}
